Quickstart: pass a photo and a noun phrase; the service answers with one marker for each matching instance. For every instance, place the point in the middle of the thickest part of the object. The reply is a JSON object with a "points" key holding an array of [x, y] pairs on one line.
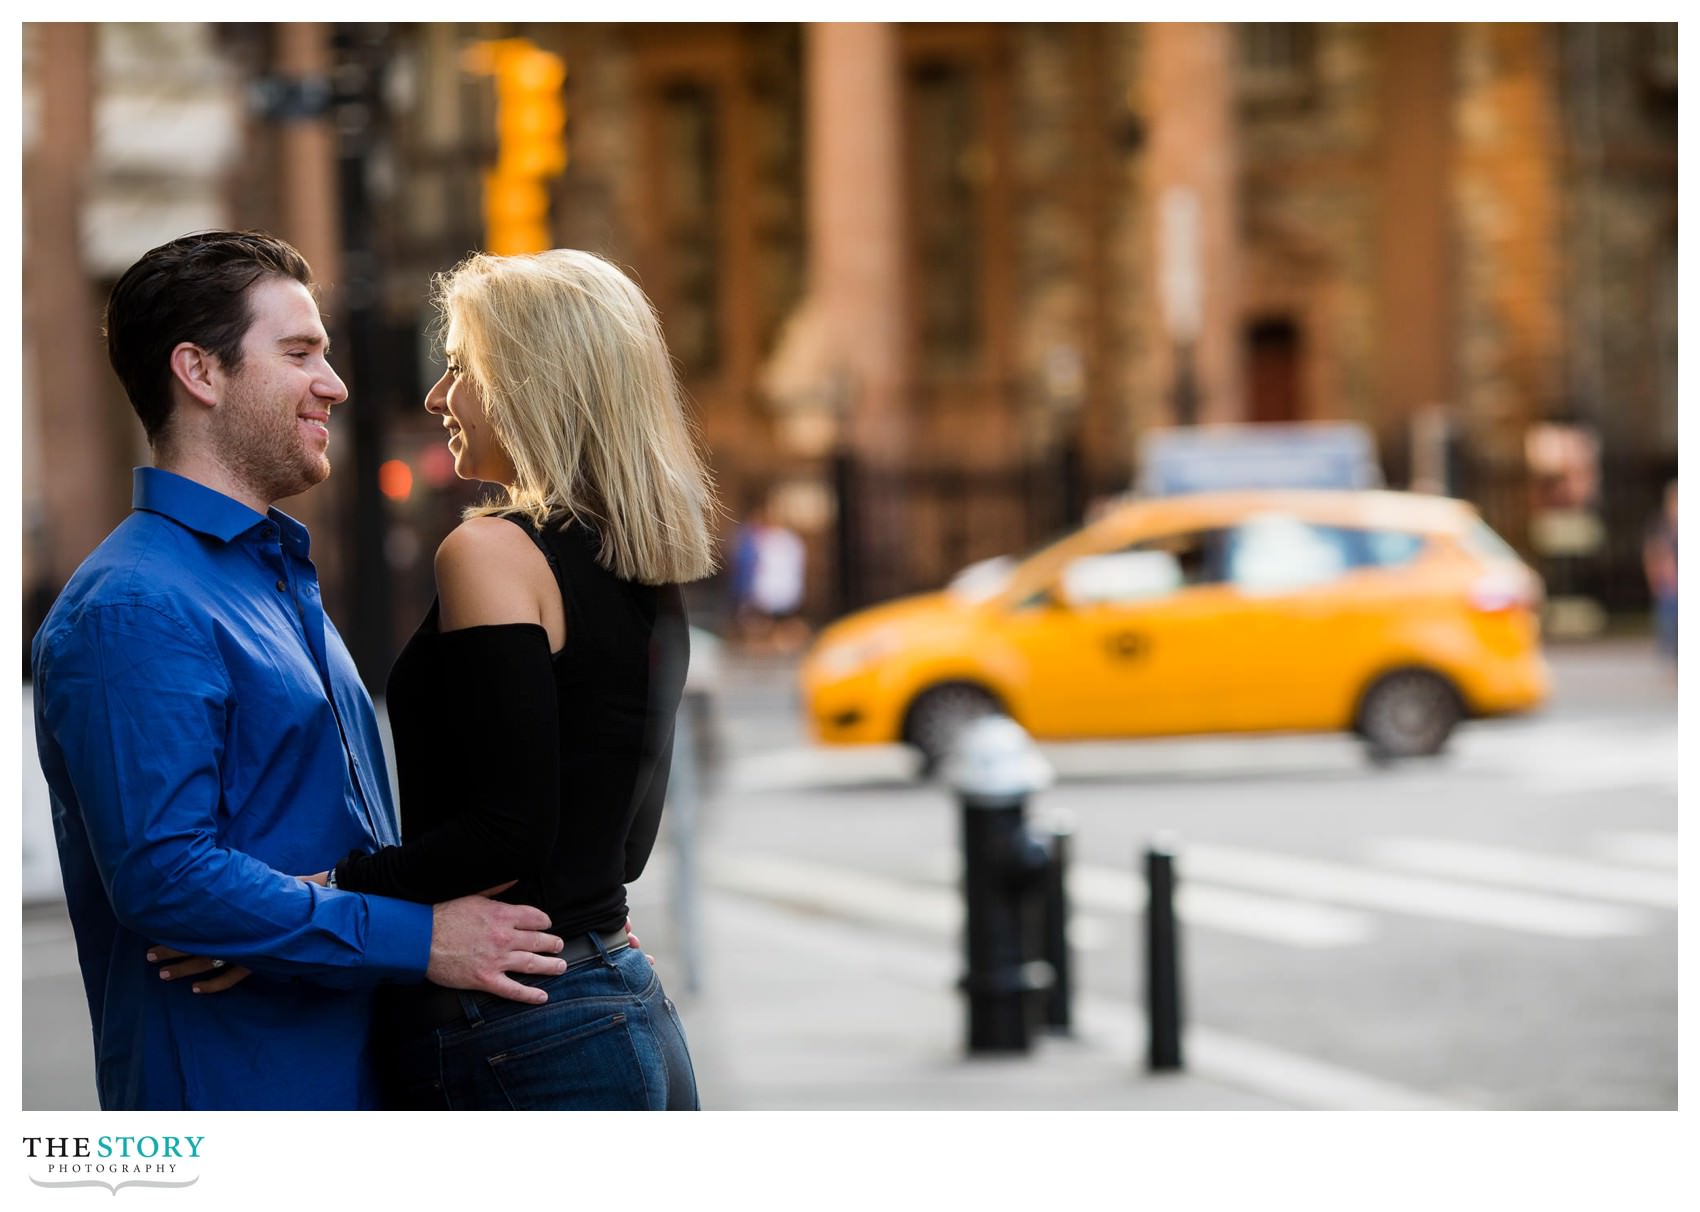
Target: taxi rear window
{"points": [[1483, 541], [1389, 548]]}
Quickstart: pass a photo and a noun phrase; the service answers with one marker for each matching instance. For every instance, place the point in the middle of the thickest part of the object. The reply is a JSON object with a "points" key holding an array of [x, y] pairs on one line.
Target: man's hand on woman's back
{"points": [[476, 942]]}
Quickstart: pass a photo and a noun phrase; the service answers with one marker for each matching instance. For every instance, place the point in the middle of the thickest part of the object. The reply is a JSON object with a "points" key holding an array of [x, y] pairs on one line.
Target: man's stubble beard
{"points": [[260, 445]]}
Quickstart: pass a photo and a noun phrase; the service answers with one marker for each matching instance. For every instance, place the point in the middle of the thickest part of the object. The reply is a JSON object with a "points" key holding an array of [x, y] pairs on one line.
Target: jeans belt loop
{"points": [[469, 1006]]}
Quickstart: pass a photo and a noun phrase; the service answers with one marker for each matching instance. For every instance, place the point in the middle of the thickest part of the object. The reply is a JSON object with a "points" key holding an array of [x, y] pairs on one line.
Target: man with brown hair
{"points": [[204, 731]]}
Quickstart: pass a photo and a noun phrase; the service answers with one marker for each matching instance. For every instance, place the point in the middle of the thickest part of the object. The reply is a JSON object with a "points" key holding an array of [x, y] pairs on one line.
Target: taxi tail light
{"points": [[1506, 589]]}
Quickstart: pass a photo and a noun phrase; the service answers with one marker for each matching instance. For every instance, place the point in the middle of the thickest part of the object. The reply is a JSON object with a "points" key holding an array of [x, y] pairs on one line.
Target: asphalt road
{"points": [[1495, 928]]}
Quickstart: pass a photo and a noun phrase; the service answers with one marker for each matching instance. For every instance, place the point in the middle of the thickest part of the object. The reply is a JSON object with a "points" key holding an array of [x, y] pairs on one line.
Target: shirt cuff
{"points": [[398, 938]]}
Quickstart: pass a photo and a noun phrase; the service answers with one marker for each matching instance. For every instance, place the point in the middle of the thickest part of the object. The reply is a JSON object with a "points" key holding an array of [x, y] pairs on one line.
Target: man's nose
{"points": [[331, 386]]}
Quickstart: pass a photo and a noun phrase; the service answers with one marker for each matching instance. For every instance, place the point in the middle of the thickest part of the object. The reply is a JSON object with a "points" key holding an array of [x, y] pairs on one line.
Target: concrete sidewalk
{"points": [[800, 1012]]}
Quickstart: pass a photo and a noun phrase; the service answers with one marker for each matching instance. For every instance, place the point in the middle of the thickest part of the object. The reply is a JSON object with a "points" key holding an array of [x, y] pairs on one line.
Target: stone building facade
{"points": [[928, 285]]}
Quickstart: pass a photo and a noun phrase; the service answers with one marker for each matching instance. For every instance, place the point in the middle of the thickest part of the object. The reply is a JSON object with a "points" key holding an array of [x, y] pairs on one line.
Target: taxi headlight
{"points": [[845, 657]]}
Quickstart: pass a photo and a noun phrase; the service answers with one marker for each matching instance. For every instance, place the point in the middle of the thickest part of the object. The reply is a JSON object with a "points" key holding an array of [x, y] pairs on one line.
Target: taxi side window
{"points": [[1273, 553], [1276, 552], [1201, 554], [1145, 571]]}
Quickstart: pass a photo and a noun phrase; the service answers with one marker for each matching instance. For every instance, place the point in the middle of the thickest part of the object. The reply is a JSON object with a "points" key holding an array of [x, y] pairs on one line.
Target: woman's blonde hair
{"points": [[579, 389]]}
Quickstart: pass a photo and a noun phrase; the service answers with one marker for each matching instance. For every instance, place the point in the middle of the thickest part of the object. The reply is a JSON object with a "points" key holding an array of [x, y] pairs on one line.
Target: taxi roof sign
{"points": [[1210, 458]]}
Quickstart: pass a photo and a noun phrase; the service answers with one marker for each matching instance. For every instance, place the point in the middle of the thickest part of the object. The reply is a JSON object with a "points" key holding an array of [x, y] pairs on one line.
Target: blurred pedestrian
{"points": [[768, 577], [741, 567], [1658, 557], [204, 731], [533, 710]]}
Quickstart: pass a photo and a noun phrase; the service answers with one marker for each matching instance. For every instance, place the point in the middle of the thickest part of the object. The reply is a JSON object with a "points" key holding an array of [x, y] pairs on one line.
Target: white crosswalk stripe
{"points": [[1449, 900], [819, 887], [1293, 922], [1273, 897], [1525, 869], [885, 901], [1640, 848], [1570, 756]]}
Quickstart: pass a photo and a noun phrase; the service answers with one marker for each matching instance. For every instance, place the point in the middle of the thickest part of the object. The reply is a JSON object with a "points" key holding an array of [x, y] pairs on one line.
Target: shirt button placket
{"points": [[270, 532]]}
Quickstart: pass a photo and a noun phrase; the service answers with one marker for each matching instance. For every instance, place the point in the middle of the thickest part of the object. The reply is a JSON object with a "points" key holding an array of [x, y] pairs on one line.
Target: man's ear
{"points": [[199, 373]]}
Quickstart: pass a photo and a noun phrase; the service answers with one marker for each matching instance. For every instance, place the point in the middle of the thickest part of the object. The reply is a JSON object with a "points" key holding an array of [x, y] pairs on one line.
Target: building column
{"points": [[74, 490], [839, 380], [856, 230], [1415, 229], [1192, 181], [1508, 222], [307, 146], [857, 264]]}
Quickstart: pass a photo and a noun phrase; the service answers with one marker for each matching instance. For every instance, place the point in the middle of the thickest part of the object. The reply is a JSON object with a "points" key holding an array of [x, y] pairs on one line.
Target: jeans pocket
{"points": [[594, 1066]]}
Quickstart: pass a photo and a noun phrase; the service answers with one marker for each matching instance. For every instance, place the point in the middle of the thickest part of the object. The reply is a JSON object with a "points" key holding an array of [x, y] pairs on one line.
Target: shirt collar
{"points": [[206, 510]]}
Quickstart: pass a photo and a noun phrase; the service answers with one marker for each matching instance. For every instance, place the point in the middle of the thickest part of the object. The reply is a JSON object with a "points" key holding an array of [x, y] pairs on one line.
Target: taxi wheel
{"points": [[1410, 713], [939, 714]]}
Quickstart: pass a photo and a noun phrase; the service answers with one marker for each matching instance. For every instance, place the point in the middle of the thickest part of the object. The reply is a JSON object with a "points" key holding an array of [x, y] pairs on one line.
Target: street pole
{"points": [[1184, 395], [359, 53], [684, 800], [847, 583]]}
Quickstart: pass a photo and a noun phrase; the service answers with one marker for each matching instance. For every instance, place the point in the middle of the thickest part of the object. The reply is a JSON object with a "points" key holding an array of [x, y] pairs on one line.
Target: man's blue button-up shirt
{"points": [[206, 739]]}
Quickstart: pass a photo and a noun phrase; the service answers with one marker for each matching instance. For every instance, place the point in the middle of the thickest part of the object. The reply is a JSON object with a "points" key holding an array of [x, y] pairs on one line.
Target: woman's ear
{"points": [[198, 372]]}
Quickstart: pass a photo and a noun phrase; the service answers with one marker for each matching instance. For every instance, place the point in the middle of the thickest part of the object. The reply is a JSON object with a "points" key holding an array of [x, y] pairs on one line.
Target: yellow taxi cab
{"points": [[1393, 615]]}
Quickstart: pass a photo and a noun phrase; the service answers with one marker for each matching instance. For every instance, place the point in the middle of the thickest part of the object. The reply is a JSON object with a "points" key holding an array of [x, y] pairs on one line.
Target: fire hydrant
{"points": [[994, 768]]}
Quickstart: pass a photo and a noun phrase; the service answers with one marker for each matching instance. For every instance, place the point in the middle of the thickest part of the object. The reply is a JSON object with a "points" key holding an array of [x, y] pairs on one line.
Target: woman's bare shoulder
{"points": [[489, 571]]}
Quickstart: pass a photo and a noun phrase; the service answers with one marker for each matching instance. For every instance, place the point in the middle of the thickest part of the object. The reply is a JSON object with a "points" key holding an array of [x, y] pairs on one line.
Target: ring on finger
{"points": [[218, 963]]}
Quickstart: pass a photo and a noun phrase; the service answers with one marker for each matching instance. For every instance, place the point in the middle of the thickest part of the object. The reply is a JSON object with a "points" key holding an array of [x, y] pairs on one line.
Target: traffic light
{"points": [[530, 116], [531, 145]]}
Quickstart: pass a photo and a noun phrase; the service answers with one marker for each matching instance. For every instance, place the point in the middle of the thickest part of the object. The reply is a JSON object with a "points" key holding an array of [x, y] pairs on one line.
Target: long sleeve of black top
{"points": [[477, 739]]}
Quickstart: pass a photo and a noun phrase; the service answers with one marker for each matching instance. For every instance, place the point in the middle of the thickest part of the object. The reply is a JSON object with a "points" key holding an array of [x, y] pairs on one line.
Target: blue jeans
{"points": [[608, 1039], [1664, 624]]}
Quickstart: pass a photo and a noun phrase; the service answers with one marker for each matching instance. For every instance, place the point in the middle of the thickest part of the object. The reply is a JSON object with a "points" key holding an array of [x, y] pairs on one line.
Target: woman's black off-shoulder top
{"points": [[515, 763]]}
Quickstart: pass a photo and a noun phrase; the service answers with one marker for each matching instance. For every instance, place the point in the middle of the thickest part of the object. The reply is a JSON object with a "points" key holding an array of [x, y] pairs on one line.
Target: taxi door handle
{"points": [[1126, 645]]}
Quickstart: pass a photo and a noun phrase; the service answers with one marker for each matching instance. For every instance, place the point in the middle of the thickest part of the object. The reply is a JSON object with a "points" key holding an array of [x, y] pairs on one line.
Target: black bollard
{"points": [[1162, 961], [1003, 863], [1057, 1008]]}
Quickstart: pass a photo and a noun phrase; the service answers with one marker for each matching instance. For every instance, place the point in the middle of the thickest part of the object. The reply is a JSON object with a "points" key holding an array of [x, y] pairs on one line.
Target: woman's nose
{"points": [[436, 400]]}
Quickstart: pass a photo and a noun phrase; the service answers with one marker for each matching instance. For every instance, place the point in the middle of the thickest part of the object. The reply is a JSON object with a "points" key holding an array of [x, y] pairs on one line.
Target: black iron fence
{"points": [[1631, 487], [910, 529]]}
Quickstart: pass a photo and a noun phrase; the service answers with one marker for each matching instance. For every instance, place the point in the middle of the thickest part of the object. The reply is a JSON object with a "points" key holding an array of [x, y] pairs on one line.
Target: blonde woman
{"points": [[533, 709]]}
